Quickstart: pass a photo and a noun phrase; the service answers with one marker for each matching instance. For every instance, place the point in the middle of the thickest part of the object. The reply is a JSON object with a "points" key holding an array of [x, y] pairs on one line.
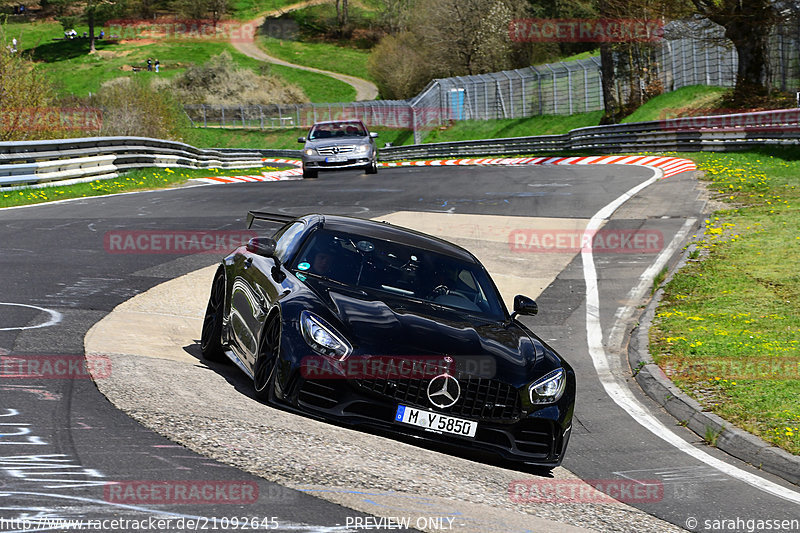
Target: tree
{"points": [[342, 15], [747, 24], [92, 12]]}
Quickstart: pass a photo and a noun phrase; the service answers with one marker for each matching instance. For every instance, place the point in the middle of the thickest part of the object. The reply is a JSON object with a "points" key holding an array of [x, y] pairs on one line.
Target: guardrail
{"points": [[34, 162], [691, 134], [103, 157]]}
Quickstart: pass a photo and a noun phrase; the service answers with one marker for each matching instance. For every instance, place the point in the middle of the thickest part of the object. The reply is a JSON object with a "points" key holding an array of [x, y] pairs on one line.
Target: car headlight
{"points": [[322, 337], [548, 388], [362, 149], [309, 151]]}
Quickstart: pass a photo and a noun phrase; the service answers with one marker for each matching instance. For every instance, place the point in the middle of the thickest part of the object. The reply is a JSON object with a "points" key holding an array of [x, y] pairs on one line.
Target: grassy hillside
{"points": [[685, 101], [518, 127], [325, 56], [75, 72]]}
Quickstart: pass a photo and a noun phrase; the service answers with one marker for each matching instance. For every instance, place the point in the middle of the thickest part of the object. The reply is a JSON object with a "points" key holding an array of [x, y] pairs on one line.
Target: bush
{"points": [[132, 106], [220, 81], [28, 109], [399, 67]]}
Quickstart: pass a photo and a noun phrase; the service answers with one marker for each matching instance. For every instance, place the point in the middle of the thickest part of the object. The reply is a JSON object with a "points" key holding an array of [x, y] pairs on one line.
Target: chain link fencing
{"points": [[691, 53]]}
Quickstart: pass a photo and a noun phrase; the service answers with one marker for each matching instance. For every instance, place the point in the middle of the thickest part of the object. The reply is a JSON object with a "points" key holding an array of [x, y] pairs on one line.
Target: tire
{"points": [[309, 174], [211, 336], [269, 348], [373, 167]]}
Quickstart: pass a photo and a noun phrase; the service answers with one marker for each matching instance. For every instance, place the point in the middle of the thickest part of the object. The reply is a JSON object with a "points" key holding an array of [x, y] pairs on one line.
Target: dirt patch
{"points": [[108, 54], [139, 42]]}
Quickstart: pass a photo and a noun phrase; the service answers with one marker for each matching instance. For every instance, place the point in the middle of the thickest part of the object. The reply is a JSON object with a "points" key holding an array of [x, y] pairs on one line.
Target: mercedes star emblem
{"points": [[444, 391]]}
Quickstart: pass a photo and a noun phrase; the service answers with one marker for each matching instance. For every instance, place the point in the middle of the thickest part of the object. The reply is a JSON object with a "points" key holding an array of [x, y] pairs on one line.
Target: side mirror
{"points": [[524, 305], [301, 140], [373, 134], [261, 246]]}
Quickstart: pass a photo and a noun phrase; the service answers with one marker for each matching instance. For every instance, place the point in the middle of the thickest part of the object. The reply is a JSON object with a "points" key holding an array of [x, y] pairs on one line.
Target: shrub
{"points": [[132, 106], [220, 81]]}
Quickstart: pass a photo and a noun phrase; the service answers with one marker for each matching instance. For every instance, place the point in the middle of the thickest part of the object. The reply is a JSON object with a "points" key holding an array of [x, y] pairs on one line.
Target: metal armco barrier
{"points": [[102, 157], [33, 162], [690, 134]]}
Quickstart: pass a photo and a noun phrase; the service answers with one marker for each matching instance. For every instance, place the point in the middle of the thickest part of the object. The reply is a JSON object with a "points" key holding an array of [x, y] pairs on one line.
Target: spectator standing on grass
{"points": [[102, 34], [149, 65], [157, 65], [13, 45]]}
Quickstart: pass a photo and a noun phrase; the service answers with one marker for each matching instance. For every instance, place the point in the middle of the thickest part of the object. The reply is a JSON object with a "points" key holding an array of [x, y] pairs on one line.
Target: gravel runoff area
{"points": [[159, 379]]}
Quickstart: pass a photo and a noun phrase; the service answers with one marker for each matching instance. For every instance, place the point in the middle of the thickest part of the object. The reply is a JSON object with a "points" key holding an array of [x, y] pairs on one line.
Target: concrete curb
{"points": [[687, 411]]}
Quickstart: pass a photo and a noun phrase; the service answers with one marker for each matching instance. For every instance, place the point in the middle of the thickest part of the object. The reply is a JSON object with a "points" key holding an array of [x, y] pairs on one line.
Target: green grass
{"points": [[728, 329], [685, 100], [74, 71], [522, 127], [250, 9], [582, 55], [325, 56], [319, 88], [143, 179]]}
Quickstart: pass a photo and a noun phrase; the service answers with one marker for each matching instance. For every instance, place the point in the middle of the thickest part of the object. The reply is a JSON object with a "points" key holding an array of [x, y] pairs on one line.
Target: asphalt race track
{"points": [[63, 442]]}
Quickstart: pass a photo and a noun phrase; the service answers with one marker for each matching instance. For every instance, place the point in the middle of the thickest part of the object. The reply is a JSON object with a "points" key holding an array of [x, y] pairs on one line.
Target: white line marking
{"points": [[615, 387], [55, 317]]}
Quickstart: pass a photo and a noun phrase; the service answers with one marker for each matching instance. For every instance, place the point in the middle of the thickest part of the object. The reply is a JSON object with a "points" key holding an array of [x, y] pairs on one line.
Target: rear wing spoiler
{"points": [[271, 217]]}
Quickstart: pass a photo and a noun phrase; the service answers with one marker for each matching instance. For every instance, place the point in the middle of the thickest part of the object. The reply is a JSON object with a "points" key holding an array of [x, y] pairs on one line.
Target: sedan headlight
{"points": [[322, 337], [548, 388], [309, 151], [362, 149]]}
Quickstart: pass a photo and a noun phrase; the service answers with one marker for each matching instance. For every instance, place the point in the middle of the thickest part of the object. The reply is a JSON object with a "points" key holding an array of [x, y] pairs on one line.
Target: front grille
{"points": [[481, 398], [335, 150]]}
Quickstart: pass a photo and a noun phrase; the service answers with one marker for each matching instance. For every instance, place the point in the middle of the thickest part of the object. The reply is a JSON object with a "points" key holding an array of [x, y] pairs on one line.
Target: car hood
{"points": [[337, 141], [403, 327]]}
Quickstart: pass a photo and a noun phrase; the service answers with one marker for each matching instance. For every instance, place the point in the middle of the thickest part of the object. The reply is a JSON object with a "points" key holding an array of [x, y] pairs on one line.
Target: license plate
{"points": [[435, 422], [336, 159]]}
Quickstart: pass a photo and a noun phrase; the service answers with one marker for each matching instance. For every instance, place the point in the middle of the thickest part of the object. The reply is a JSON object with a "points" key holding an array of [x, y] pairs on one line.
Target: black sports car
{"points": [[367, 323]]}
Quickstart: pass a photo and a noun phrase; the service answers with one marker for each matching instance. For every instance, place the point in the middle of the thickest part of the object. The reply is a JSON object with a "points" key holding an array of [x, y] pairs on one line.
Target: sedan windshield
{"points": [[333, 130], [405, 271]]}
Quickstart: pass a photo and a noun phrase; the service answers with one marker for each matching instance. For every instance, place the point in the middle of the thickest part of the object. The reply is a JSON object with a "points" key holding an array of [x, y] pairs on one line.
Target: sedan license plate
{"points": [[336, 159], [435, 422]]}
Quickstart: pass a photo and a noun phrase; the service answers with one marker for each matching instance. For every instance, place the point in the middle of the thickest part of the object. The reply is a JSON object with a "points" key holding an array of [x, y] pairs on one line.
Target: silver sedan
{"points": [[339, 144]]}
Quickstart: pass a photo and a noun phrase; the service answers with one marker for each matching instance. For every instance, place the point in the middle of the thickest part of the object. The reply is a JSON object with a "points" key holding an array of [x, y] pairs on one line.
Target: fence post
{"points": [[222, 108], [585, 88], [205, 121], [569, 86]]}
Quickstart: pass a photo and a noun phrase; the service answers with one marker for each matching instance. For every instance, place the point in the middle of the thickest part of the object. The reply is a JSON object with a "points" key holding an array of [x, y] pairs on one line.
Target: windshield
{"points": [[384, 266], [337, 129]]}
